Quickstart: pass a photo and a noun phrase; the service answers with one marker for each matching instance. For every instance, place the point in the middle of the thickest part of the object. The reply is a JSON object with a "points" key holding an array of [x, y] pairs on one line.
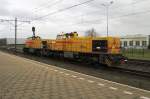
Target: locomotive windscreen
{"points": [[99, 45]]}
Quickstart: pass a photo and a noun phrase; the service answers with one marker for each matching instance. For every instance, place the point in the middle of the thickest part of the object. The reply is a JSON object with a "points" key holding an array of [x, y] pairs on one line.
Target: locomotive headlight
{"points": [[125, 60], [98, 47]]}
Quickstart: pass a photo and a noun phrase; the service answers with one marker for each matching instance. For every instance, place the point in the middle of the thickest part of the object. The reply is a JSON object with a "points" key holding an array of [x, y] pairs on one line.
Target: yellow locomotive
{"points": [[104, 50]]}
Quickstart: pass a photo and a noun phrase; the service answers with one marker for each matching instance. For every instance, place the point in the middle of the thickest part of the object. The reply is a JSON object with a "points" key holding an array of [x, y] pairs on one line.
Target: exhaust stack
{"points": [[33, 30]]}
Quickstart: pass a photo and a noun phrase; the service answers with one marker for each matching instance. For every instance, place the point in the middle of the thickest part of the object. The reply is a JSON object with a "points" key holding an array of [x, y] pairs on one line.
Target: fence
{"points": [[137, 53]]}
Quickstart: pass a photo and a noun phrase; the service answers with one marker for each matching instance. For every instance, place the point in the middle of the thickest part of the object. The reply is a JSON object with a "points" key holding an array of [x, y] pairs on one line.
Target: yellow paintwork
{"points": [[83, 44], [113, 44], [33, 43], [76, 44]]}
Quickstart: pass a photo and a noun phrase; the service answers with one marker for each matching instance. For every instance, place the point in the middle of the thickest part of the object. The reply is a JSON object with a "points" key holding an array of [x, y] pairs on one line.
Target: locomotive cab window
{"points": [[99, 45], [44, 43]]}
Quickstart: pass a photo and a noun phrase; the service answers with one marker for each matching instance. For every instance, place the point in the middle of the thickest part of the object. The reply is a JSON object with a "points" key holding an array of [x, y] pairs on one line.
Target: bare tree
{"points": [[92, 33]]}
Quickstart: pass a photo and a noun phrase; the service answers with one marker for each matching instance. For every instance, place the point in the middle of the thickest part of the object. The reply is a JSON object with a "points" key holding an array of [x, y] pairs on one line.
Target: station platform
{"points": [[21, 78]]}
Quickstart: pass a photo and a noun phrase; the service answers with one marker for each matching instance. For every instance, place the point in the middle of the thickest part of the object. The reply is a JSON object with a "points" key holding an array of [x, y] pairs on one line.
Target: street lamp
{"points": [[107, 14]]}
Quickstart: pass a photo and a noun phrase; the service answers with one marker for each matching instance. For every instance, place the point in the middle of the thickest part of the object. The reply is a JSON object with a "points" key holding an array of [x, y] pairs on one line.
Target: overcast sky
{"points": [[125, 17]]}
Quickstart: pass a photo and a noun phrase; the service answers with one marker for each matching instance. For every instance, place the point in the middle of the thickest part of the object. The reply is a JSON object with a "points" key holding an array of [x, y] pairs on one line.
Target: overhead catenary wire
{"points": [[136, 2], [99, 21], [60, 10], [42, 5], [133, 3], [121, 16], [48, 6], [117, 17], [63, 9], [125, 15]]}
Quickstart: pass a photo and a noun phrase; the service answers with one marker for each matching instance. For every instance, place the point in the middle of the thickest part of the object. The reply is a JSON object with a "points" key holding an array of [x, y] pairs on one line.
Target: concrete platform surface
{"points": [[21, 78]]}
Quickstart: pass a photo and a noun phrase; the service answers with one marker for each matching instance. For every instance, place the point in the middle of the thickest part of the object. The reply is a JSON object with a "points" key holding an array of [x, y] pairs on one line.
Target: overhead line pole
{"points": [[16, 25], [15, 34], [107, 16]]}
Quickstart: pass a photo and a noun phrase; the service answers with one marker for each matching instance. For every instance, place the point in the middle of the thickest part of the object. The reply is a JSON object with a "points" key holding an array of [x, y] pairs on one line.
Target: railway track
{"points": [[132, 72], [129, 71], [118, 69], [139, 62]]}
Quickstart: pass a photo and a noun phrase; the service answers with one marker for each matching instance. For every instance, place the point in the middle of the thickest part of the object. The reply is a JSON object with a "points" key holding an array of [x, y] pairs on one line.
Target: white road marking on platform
{"points": [[90, 81], [127, 92], [81, 78], [50, 68], [113, 88], [40, 65], [67, 74], [143, 97], [47, 67], [55, 70], [74, 76], [100, 84]]}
